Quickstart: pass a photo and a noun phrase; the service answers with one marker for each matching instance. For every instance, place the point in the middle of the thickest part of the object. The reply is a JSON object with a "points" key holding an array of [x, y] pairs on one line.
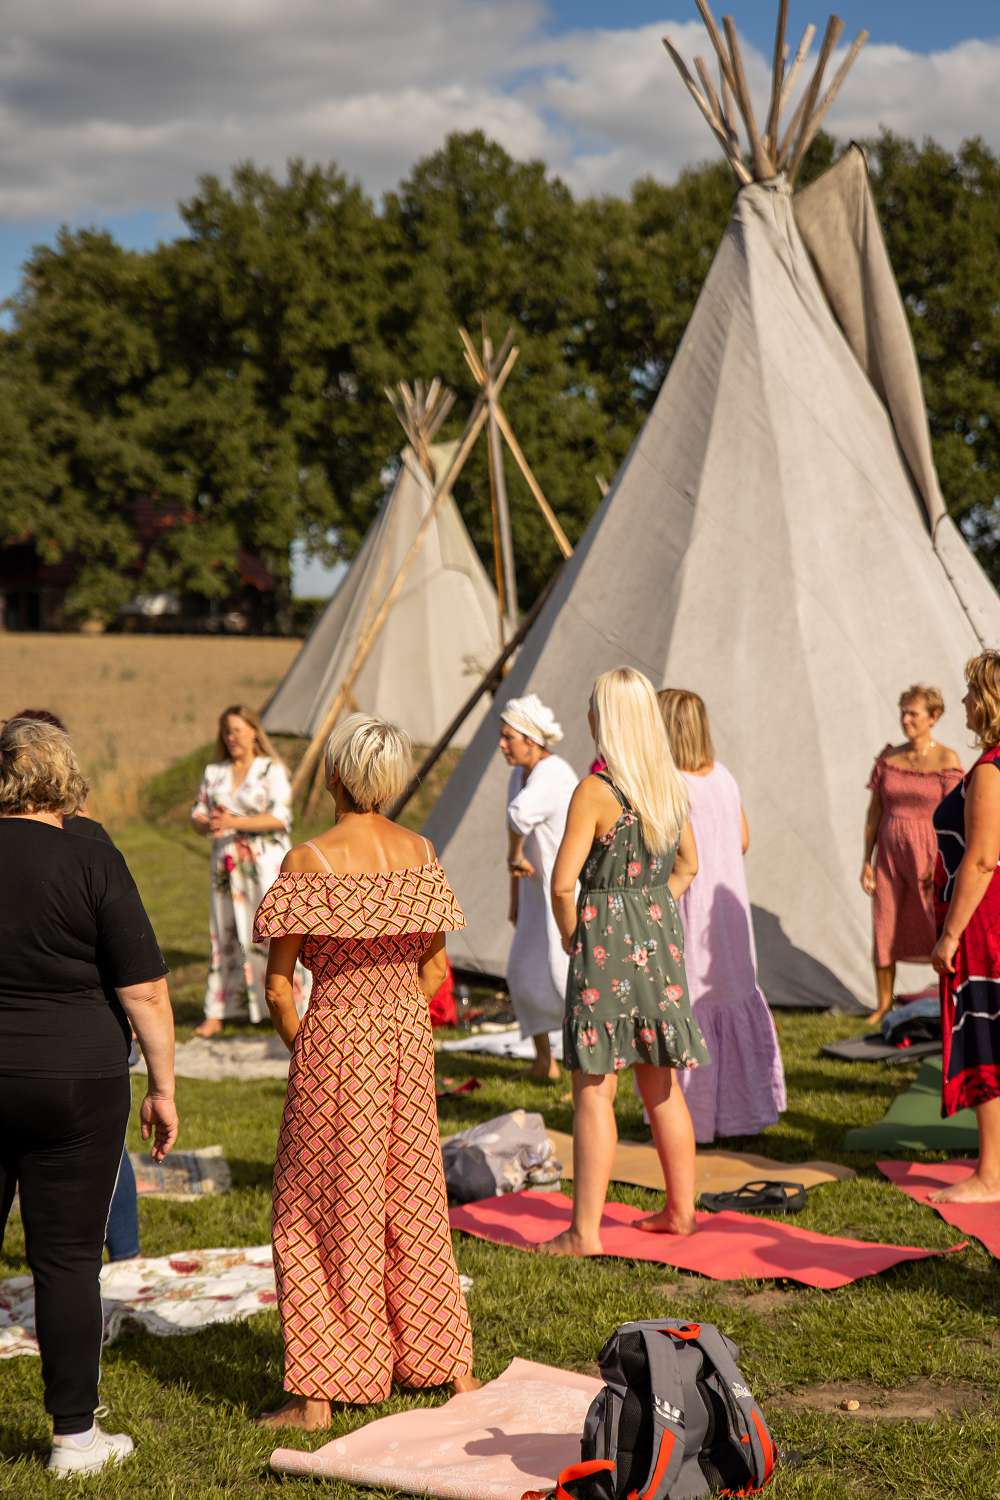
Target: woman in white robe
{"points": [[538, 797]]}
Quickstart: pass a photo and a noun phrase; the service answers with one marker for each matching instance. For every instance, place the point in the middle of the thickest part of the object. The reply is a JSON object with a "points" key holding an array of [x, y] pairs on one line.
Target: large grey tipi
{"points": [[776, 541]]}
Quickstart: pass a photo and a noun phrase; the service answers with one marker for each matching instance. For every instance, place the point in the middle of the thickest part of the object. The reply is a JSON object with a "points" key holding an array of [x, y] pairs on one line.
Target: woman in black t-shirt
{"points": [[78, 963]]}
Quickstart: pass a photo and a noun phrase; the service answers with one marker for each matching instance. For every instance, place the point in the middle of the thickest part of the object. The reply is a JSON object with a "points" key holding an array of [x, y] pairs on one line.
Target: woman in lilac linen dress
{"points": [[742, 1087]]}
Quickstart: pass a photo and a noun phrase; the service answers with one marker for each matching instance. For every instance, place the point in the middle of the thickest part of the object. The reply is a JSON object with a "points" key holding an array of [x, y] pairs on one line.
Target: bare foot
{"points": [[667, 1222], [570, 1242], [551, 1074], [209, 1028], [463, 1383], [302, 1412], [878, 1016], [974, 1189]]}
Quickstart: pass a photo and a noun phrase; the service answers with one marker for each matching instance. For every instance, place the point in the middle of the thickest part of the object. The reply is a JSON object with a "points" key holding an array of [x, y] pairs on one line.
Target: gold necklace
{"points": [[916, 755]]}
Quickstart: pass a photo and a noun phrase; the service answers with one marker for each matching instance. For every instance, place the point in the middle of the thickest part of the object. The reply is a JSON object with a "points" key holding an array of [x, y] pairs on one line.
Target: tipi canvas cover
{"points": [[773, 542], [440, 636]]}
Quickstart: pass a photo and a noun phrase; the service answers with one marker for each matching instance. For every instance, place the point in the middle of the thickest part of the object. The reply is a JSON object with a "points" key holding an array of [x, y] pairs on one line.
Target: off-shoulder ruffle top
{"points": [[352, 907]]}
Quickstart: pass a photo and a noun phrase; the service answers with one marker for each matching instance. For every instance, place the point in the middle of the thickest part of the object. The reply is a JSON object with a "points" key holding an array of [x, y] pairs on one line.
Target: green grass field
{"points": [[922, 1337]]}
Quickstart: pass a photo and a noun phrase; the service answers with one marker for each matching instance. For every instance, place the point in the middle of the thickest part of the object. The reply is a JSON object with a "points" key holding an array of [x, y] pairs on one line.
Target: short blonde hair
{"points": [[982, 673], [686, 720], [933, 701], [373, 758], [632, 738], [38, 770]]}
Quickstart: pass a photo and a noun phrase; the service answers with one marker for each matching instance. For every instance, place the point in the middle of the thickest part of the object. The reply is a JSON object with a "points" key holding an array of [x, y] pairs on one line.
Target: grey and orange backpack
{"points": [[675, 1420]]}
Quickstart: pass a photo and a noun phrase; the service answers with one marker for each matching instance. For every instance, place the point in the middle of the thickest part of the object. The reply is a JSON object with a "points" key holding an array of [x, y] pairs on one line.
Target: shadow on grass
{"points": [[860, 1081], [251, 1174], [235, 1364]]}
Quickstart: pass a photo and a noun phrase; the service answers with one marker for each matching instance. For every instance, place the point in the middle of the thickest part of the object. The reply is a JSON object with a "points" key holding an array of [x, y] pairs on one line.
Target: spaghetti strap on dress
{"points": [[319, 855], [368, 1289], [626, 995]]}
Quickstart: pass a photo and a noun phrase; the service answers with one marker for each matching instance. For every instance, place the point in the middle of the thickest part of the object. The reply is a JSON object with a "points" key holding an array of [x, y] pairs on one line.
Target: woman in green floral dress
{"points": [[629, 843]]}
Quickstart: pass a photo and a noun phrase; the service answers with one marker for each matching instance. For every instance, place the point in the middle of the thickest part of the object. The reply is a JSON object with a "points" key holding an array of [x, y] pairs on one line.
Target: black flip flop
{"points": [[760, 1197]]}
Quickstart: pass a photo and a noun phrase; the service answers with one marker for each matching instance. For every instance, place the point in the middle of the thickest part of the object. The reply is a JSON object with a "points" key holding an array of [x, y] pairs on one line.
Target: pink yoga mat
{"points": [[726, 1247], [919, 1179], [513, 1435]]}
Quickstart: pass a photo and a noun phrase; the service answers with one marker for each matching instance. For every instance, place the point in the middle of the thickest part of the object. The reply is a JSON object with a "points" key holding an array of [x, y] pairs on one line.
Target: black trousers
{"points": [[61, 1144]]}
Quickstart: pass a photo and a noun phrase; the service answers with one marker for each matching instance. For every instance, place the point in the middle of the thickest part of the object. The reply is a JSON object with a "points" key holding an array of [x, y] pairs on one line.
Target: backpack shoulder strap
{"points": [[756, 1436]]}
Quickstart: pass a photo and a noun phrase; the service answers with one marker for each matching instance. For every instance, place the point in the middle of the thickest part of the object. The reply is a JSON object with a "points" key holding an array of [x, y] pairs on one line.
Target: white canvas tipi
{"points": [[775, 541], [438, 640]]}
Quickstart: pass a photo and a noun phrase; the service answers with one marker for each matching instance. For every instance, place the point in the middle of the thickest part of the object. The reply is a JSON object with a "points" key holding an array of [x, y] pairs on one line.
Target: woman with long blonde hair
{"points": [[629, 843], [244, 806]]}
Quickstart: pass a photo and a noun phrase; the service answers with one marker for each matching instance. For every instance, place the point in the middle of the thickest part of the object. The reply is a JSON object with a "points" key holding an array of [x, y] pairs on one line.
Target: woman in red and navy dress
{"points": [[967, 954]]}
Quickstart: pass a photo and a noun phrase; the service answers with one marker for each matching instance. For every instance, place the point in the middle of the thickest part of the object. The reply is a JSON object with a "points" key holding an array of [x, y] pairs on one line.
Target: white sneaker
{"points": [[86, 1458]]}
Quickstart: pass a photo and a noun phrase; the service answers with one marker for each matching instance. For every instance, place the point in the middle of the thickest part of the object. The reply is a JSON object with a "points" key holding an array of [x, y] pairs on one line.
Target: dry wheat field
{"points": [[134, 705]]}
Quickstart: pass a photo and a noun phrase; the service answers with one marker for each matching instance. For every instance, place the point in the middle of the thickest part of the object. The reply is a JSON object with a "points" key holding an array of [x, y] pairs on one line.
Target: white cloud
{"points": [[113, 108]]}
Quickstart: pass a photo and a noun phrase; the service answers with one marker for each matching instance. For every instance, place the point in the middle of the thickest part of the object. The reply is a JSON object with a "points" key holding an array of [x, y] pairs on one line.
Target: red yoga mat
{"points": [[726, 1247], [919, 1179]]}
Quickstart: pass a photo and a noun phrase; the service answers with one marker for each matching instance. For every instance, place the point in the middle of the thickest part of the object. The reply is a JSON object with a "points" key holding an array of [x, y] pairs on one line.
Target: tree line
{"points": [[234, 376]]}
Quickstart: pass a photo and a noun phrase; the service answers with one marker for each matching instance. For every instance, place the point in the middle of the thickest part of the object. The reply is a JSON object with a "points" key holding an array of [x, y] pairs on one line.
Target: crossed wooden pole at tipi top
{"points": [[421, 410], [771, 150]]}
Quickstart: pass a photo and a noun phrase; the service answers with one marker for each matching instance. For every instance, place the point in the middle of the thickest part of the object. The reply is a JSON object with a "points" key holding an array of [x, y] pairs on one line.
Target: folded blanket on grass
{"points": [[919, 1179], [221, 1057], [727, 1246], [913, 1121], [514, 1434], [182, 1175], [636, 1162]]}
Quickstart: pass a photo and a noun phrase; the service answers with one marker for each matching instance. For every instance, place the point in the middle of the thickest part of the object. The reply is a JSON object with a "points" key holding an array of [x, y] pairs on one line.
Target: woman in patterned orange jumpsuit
{"points": [[367, 1284]]}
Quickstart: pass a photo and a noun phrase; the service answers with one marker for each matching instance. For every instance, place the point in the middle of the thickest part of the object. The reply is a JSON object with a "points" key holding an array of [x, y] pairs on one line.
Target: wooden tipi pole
{"points": [[366, 643], [498, 492], [481, 374], [772, 151]]}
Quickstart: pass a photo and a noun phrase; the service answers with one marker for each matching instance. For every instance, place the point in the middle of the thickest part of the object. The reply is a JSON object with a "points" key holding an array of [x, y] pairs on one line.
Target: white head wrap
{"points": [[530, 717]]}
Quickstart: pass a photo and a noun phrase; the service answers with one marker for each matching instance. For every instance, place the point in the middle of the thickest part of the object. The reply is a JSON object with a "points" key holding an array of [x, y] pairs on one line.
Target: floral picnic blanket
{"points": [[162, 1294]]}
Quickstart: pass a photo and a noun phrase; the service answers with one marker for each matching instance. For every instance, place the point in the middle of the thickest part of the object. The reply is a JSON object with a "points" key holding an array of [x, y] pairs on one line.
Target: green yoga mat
{"points": [[914, 1123]]}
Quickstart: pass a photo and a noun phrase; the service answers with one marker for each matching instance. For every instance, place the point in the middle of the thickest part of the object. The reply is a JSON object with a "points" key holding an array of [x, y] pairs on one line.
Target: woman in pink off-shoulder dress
{"points": [[368, 1290], [907, 783]]}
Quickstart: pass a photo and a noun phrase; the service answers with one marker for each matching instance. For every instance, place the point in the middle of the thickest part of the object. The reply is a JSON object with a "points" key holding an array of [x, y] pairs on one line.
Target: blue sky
{"points": [[911, 23]]}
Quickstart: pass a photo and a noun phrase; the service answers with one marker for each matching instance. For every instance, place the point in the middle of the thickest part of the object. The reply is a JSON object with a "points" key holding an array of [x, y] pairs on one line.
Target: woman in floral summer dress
{"points": [[629, 843], [245, 807]]}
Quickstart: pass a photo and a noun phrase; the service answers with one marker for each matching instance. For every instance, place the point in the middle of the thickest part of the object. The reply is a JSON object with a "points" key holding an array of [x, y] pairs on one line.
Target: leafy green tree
{"points": [[941, 215], [280, 284], [470, 234], [80, 349], [224, 379]]}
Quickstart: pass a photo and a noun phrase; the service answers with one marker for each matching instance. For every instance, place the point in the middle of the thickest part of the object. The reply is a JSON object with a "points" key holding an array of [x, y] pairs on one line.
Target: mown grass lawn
{"points": [[190, 1401]]}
